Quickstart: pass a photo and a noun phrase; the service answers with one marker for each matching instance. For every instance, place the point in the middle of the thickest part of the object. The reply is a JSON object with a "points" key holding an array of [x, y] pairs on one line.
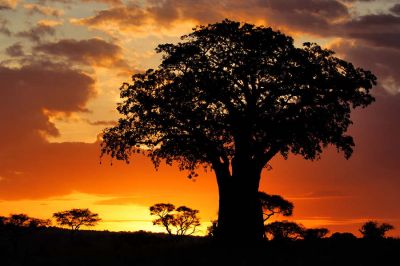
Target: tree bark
{"points": [[240, 213]]}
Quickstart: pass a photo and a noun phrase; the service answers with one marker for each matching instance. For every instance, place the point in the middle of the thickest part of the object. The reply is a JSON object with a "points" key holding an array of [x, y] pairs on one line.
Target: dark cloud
{"points": [[37, 32], [124, 17], [3, 27], [109, 2], [31, 92], [382, 30], [395, 9], [43, 10], [383, 62], [91, 51], [15, 50], [8, 4], [321, 194]]}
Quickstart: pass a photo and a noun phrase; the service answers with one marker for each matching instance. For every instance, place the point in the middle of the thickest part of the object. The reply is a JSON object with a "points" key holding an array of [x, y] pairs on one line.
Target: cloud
{"points": [[37, 32], [29, 93], [8, 4], [381, 30], [15, 50], [395, 9], [43, 10], [3, 27], [320, 195], [102, 123], [94, 51], [108, 2], [383, 62]]}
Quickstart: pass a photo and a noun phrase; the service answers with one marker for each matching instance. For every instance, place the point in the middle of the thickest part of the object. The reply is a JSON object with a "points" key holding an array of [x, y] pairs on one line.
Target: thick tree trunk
{"points": [[240, 214]]}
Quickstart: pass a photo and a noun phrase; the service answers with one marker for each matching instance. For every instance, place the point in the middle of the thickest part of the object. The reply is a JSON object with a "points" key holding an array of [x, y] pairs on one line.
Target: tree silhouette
{"points": [[372, 230], [186, 221], [39, 223], [164, 213], [314, 233], [183, 219], [274, 204], [75, 218], [19, 220], [231, 96], [284, 230]]}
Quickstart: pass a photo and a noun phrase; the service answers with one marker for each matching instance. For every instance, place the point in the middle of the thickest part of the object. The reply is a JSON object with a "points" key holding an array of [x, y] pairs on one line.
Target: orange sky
{"points": [[62, 62]]}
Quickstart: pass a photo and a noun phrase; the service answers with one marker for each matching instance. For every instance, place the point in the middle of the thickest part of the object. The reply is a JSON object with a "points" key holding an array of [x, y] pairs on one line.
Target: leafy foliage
{"points": [[164, 213], [314, 233], [75, 218], [284, 230], [22, 220], [183, 219], [274, 204], [231, 96], [372, 230], [232, 90]]}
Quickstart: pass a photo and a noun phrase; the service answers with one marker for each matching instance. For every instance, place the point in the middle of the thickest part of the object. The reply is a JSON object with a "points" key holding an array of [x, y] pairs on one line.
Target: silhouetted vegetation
{"points": [[179, 221], [274, 204], [314, 233], [53, 246], [22, 220], [284, 230], [231, 96], [372, 230], [75, 218]]}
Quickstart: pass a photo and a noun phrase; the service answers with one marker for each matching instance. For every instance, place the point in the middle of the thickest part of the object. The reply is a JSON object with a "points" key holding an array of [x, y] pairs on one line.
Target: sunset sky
{"points": [[62, 62]]}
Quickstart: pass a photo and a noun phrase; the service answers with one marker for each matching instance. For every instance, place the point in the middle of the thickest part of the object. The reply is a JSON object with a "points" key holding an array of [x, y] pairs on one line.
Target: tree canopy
{"points": [[274, 204], [284, 230], [231, 96], [179, 221], [374, 230], [230, 86], [75, 218]]}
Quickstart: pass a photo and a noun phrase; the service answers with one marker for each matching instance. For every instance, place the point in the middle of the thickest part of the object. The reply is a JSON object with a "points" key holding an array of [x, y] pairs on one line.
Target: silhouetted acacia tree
{"points": [[164, 213], [19, 220], [183, 219], [372, 230], [231, 96], [75, 218], [314, 233], [274, 204], [186, 221], [284, 230]]}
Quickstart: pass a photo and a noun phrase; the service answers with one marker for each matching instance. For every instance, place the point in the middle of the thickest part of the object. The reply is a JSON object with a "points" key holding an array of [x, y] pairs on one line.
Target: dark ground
{"points": [[57, 247]]}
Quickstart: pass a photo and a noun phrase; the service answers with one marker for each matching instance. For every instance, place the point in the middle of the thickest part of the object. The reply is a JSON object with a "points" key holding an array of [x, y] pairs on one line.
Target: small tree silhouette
{"points": [[274, 204], [284, 230], [186, 220], [18, 220], [75, 218], [372, 230], [314, 233], [164, 213], [183, 219]]}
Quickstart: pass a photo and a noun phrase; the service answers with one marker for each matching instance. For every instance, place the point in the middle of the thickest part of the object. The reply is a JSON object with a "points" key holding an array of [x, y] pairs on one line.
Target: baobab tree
{"points": [[231, 96]]}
